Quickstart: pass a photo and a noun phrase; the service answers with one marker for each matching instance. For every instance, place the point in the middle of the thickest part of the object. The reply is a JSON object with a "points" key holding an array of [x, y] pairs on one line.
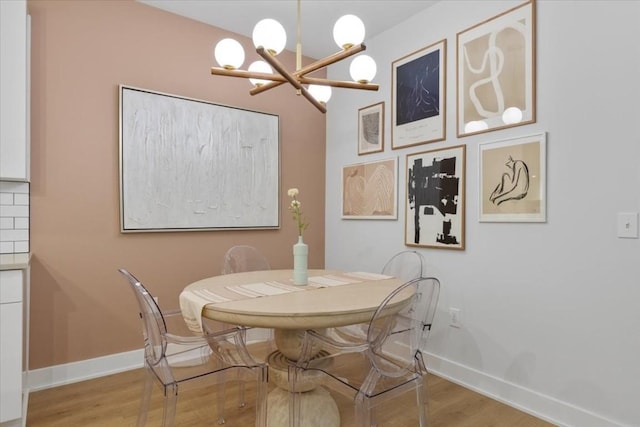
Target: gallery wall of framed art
{"points": [[495, 90]]}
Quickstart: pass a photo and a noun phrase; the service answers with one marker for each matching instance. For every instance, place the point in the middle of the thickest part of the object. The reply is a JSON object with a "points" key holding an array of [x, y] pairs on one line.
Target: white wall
{"points": [[550, 314]]}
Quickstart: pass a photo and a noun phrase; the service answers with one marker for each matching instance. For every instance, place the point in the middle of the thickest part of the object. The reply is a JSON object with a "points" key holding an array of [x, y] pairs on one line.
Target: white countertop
{"points": [[14, 261]]}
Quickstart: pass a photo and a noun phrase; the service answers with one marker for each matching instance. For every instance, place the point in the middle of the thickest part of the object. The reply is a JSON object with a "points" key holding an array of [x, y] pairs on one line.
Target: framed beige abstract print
{"points": [[513, 180], [435, 206], [371, 129], [418, 96], [369, 190], [496, 72]]}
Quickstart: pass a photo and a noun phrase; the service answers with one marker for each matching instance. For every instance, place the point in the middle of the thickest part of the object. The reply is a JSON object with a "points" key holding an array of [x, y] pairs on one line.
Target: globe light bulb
{"points": [[475, 126], [348, 31], [512, 115], [229, 54], [260, 67], [363, 69], [321, 93], [270, 34]]}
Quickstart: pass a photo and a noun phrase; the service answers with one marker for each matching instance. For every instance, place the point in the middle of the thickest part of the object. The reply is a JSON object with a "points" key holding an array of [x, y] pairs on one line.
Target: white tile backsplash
{"points": [[6, 198], [21, 223], [21, 247], [14, 211], [6, 247], [13, 235], [21, 199], [14, 217], [7, 223]]}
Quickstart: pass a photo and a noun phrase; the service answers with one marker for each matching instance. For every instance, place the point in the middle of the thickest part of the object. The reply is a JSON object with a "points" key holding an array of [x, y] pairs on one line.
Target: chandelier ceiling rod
{"points": [[320, 64], [290, 78], [264, 81]]}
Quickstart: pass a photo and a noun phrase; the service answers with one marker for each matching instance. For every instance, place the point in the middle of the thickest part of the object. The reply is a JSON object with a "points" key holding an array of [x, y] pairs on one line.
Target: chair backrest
{"points": [[406, 265], [153, 324], [244, 258], [399, 328]]}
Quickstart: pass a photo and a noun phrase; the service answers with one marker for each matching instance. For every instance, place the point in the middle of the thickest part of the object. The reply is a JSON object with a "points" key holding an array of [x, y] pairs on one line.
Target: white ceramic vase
{"points": [[300, 256]]}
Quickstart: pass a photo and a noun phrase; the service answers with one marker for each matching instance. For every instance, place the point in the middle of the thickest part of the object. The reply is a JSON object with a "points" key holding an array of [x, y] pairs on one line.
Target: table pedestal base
{"points": [[317, 407]]}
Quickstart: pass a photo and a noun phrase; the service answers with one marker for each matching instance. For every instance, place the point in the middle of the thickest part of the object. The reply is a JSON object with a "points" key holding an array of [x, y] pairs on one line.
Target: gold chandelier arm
{"points": [[247, 74], [290, 78], [314, 66], [338, 83]]}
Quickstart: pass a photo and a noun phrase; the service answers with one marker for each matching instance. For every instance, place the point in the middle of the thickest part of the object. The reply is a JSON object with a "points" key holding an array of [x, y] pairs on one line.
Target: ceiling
{"points": [[317, 17]]}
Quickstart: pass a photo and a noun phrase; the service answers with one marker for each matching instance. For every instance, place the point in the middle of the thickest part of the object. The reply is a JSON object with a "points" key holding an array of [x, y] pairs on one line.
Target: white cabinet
{"points": [[14, 133], [11, 344]]}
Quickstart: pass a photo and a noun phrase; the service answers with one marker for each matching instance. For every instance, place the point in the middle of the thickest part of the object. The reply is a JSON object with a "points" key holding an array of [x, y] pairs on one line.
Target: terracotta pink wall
{"points": [[81, 51]]}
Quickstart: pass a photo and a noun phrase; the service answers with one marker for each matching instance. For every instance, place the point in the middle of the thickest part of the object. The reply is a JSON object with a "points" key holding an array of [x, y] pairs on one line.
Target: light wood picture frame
{"points": [[435, 202], [512, 183], [371, 129], [418, 96], [496, 72], [370, 190]]}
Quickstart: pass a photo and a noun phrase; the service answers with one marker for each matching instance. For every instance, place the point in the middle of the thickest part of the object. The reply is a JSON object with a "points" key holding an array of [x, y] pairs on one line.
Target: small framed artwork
{"points": [[513, 180], [496, 72], [369, 190], [418, 95], [435, 204], [371, 129]]}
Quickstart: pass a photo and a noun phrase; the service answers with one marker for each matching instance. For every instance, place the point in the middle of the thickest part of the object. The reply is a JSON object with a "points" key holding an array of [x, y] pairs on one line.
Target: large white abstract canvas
{"points": [[188, 164]]}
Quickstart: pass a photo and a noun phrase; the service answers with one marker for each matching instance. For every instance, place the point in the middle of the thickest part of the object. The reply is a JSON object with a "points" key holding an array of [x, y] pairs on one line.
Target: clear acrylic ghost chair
{"points": [[405, 265], [388, 364], [244, 258], [238, 259], [179, 362]]}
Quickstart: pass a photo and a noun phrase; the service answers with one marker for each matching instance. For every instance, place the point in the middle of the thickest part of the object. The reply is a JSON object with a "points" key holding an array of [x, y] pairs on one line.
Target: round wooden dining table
{"points": [[269, 299]]}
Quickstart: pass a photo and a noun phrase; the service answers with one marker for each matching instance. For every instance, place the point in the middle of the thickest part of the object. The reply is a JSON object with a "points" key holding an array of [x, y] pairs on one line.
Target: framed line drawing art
{"points": [[192, 165], [371, 129], [496, 62], [513, 180], [418, 96], [435, 204], [369, 190]]}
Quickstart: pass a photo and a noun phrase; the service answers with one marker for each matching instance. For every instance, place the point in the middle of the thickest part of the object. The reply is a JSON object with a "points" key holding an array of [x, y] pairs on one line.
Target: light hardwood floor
{"points": [[113, 401]]}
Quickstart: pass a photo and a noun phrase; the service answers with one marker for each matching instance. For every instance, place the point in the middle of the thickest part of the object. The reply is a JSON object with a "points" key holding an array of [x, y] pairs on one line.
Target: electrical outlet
{"points": [[628, 225], [454, 317]]}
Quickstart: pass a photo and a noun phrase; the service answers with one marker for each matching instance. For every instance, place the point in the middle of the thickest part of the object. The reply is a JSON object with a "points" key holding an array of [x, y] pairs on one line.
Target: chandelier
{"points": [[269, 38]]}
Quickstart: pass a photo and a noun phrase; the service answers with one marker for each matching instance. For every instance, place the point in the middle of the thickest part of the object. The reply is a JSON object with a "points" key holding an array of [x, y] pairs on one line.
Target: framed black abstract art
{"points": [[435, 204]]}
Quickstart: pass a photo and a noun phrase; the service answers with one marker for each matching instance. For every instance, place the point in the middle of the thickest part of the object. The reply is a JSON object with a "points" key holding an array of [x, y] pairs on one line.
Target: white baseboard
{"points": [[539, 405], [68, 373]]}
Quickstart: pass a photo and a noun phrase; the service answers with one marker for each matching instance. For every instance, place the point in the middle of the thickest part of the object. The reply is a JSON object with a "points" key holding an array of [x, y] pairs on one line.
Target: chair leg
{"points": [[170, 400], [145, 398], [423, 408], [242, 401], [363, 411], [222, 389], [261, 396]]}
